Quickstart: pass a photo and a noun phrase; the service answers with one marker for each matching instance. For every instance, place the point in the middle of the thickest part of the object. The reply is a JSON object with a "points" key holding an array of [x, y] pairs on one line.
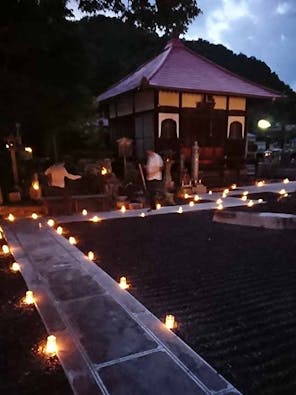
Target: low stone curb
{"points": [[259, 220]]}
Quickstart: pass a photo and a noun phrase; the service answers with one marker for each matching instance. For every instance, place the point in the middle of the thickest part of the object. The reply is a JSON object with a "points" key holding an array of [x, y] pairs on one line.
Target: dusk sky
{"points": [[265, 29]]}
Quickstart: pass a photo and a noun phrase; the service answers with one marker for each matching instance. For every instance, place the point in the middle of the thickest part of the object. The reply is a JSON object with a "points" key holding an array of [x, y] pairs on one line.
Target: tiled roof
{"points": [[178, 68]]}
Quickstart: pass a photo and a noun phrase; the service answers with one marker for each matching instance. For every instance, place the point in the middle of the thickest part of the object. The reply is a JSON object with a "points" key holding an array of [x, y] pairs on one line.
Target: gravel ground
{"points": [[232, 289]]}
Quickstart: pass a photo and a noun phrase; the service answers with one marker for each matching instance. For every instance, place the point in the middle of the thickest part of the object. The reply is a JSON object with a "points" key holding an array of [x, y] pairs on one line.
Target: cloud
{"points": [[282, 8]]}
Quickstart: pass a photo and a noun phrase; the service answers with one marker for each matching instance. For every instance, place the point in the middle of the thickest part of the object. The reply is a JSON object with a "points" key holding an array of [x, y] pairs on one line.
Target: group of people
{"points": [[57, 173]]}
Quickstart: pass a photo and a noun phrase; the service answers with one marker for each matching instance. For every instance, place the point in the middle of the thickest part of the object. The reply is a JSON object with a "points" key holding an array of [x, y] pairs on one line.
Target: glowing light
{"points": [[260, 201], [210, 192], [15, 267], [282, 192], [263, 124], [28, 149], [250, 203], [142, 215], [91, 255], [245, 193], [50, 223], [219, 201], [123, 284], [59, 230], [180, 210], [72, 240], [224, 195], [1, 237], [186, 196], [233, 186], [244, 198], [170, 321], [260, 183], [95, 219], [123, 209], [51, 347], [84, 212], [29, 298], [226, 191], [11, 217], [196, 198], [191, 204], [104, 171], [36, 185], [158, 206], [220, 207], [286, 181], [34, 216], [5, 249]]}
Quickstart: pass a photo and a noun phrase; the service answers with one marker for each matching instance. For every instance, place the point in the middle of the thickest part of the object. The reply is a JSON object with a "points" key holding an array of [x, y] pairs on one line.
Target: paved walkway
{"points": [[108, 342]]}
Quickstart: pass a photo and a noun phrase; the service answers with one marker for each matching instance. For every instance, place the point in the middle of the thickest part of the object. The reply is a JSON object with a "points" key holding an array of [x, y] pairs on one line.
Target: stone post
{"points": [[195, 163]]}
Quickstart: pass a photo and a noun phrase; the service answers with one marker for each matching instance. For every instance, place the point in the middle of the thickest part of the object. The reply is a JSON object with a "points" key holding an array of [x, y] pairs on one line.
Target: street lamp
{"points": [[263, 124]]}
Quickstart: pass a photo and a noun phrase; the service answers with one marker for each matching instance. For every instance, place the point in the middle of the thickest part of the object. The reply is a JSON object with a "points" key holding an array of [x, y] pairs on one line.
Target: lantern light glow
{"points": [[5, 249], [84, 212], [158, 206], [50, 223], [51, 347], [72, 240], [59, 230], [170, 321], [34, 216], [91, 255], [123, 283], [286, 181], [15, 267], [11, 217], [29, 298]]}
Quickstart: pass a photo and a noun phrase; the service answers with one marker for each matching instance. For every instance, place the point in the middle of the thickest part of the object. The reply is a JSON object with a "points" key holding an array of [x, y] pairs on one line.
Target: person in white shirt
{"points": [[57, 174], [154, 168]]}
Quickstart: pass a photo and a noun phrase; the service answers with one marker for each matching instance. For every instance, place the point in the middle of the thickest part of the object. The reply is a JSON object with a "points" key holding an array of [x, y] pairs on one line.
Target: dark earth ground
{"points": [[232, 289], [23, 370]]}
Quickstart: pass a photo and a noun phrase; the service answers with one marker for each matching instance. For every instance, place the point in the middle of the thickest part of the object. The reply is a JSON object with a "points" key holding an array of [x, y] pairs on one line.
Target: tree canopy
{"points": [[172, 17]]}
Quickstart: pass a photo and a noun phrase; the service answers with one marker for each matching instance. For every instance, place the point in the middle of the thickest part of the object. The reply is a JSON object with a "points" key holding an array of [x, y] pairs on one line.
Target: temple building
{"points": [[180, 97]]}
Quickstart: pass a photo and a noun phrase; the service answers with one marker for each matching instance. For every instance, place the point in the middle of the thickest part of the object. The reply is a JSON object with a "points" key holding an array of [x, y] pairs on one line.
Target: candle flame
{"points": [[123, 284]]}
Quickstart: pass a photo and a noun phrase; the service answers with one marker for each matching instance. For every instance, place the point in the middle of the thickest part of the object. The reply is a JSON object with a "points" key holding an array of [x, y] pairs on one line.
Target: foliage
{"points": [[172, 17]]}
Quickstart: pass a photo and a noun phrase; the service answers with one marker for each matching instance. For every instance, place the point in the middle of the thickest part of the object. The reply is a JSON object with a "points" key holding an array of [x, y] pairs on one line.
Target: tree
{"points": [[172, 17]]}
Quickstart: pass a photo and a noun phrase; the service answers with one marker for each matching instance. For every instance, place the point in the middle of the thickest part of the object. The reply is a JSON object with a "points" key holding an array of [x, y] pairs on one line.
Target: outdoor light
{"points": [[210, 192], [7, 146], [170, 321], [51, 347], [1, 237], [260, 201], [233, 186], [59, 230], [123, 209], [220, 207], [286, 181], [244, 198], [95, 219], [224, 195], [260, 183], [35, 185], [263, 124], [180, 210], [5, 249], [282, 192], [50, 222], [11, 217], [142, 215], [104, 171], [123, 284], [72, 240], [226, 191], [84, 212], [219, 201], [245, 193], [186, 196], [250, 203], [29, 298], [15, 267], [191, 204], [91, 255], [28, 149], [158, 206], [34, 216], [196, 198]]}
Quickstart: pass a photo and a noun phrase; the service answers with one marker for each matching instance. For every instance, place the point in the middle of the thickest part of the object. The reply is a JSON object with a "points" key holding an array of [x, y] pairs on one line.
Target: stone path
{"points": [[108, 342]]}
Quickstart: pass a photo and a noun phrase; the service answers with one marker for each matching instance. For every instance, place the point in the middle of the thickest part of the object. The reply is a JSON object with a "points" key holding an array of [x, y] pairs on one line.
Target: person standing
{"points": [[154, 168], [56, 181]]}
